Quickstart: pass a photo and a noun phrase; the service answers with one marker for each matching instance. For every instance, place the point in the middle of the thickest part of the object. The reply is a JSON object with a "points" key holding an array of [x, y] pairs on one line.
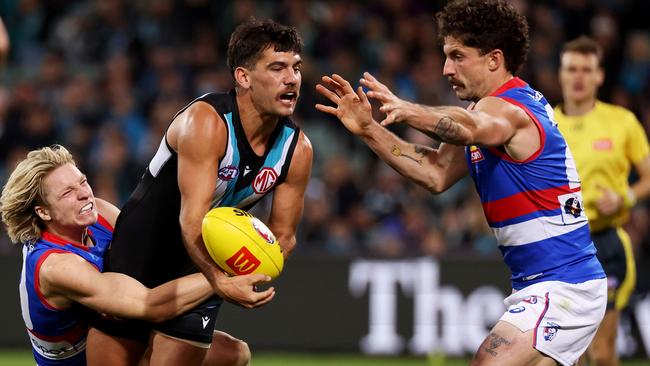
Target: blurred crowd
{"points": [[105, 77]]}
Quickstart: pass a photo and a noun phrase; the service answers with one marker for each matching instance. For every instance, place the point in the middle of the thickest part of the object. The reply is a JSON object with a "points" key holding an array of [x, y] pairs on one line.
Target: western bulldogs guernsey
{"points": [[58, 336], [147, 243], [534, 207]]}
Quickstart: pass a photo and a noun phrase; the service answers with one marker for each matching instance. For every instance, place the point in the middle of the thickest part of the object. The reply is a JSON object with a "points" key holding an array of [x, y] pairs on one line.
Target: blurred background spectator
{"points": [[105, 77]]}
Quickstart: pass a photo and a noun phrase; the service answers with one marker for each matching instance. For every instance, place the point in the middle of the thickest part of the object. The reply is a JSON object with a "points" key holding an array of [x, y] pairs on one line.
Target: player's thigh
{"points": [[103, 349], [227, 350], [506, 345], [169, 351]]}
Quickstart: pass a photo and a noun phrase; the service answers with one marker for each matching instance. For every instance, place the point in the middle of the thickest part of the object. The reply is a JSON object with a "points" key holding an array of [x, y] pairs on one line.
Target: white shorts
{"points": [[563, 316]]}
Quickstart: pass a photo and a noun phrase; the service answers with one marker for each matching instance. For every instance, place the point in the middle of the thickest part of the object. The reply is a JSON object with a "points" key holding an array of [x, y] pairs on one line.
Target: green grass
{"points": [[24, 358]]}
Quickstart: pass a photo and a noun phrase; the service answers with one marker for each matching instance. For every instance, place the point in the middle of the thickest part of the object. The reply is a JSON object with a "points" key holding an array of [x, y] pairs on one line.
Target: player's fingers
{"points": [[345, 85], [326, 109], [255, 299], [333, 97], [362, 95]]}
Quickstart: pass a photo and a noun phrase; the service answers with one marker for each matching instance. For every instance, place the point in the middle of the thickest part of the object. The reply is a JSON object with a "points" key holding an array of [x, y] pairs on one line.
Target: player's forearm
{"points": [[453, 125], [413, 161], [176, 297]]}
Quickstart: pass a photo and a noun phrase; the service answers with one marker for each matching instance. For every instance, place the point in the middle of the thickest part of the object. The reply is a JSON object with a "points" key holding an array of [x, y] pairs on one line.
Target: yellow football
{"points": [[240, 243]]}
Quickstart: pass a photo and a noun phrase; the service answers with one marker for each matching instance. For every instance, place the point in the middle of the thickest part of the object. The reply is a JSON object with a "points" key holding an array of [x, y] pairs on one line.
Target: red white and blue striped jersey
{"points": [[534, 207], [58, 336]]}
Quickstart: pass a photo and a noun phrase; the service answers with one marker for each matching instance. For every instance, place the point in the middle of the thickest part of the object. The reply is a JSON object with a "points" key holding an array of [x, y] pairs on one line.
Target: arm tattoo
{"points": [[494, 341], [448, 130], [396, 151]]}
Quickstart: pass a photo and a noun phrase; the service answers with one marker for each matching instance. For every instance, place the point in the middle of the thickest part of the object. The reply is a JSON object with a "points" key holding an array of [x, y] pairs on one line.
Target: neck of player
{"points": [[578, 107], [257, 126]]}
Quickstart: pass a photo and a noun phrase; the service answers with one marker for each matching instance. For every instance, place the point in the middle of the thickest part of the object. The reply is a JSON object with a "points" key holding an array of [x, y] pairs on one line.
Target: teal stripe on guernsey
{"points": [[231, 158]]}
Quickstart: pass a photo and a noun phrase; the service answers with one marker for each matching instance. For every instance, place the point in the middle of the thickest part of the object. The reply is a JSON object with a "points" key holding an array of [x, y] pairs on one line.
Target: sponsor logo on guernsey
{"points": [[475, 154], [550, 331], [605, 144], [56, 350], [263, 231], [243, 262], [517, 309], [572, 207], [264, 180], [531, 299], [229, 172]]}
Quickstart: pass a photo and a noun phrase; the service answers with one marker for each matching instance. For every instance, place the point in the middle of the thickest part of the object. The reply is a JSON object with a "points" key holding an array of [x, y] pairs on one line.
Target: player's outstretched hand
{"points": [[352, 108], [396, 109], [240, 290]]}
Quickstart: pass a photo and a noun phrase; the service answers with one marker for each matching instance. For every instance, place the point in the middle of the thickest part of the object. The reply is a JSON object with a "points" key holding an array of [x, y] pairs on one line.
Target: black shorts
{"points": [[614, 253], [196, 325]]}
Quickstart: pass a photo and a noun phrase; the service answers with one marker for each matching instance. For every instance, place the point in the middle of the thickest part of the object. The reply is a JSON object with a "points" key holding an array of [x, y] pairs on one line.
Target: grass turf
{"points": [[24, 358]]}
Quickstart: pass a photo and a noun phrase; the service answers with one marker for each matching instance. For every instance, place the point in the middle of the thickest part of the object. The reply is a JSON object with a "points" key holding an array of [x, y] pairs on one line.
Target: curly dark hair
{"points": [[487, 25], [252, 37]]}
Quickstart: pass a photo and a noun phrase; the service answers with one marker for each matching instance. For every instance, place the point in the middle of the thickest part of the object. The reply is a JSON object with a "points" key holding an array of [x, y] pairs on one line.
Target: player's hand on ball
{"points": [[240, 290]]}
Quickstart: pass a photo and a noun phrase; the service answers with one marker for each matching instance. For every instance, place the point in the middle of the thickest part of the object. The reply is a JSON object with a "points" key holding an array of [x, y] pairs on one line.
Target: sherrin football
{"points": [[240, 243]]}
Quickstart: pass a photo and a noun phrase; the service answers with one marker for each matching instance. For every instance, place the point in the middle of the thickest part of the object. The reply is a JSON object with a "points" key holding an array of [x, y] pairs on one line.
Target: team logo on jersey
{"points": [[243, 262], [475, 154], [229, 172], [572, 207], [264, 180], [263, 231], [550, 331]]}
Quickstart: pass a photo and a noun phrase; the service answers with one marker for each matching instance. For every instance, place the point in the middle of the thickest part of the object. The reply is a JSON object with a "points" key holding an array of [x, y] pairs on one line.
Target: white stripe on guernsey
{"points": [[222, 185], [22, 288], [162, 155], [534, 230], [57, 350], [571, 171]]}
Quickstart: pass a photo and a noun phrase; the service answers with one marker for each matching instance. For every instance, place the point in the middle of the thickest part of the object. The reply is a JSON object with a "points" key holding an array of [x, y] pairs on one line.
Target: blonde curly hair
{"points": [[24, 191]]}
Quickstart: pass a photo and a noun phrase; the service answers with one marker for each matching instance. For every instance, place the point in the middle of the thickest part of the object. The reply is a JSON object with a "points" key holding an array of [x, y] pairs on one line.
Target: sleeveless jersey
{"points": [[147, 243], [605, 142], [534, 207], [58, 336]]}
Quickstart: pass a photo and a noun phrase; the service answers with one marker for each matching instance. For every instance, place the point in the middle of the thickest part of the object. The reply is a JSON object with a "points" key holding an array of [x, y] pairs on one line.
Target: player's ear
{"points": [[43, 213], [495, 59], [242, 77]]}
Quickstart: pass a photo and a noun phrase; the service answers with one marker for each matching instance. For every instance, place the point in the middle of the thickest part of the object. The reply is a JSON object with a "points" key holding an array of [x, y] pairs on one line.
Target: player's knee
{"points": [[235, 352], [243, 354]]}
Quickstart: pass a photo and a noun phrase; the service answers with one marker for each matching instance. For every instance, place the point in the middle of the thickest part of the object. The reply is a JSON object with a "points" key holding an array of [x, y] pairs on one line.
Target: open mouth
{"points": [[289, 97], [86, 208]]}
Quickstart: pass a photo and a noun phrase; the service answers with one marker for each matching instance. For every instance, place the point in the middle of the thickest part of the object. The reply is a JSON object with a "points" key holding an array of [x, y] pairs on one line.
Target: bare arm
{"points": [[435, 170], [67, 277], [490, 122], [288, 197], [198, 136], [109, 211], [4, 43]]}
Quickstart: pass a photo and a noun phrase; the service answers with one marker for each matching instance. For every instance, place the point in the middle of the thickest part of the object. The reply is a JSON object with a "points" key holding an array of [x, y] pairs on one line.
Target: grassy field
{"points": [[24, 358]]}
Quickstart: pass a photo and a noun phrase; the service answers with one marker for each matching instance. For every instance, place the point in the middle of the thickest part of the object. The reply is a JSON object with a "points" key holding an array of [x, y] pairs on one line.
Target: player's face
{"points": [[466, 69], [275, 82], [580, 76], [69, 201]]}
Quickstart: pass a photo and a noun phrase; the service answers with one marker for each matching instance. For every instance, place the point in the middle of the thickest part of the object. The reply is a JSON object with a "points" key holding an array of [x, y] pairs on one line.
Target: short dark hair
{"points": [[252, 37], [584, 45], [487, 25]]}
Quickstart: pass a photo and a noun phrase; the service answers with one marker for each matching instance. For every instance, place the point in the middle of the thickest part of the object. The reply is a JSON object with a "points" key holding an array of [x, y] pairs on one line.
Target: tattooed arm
{"points": [[435, 170], [490, 122]]}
